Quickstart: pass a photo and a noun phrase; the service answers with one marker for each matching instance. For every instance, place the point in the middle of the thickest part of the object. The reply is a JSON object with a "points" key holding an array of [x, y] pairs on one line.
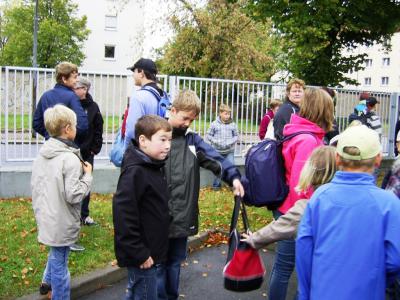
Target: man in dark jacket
{"points": [[62, 93], [294, 95], [91, 143]]}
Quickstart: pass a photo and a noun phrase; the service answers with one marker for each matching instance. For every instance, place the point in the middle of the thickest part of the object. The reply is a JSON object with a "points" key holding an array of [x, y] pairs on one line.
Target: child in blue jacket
{"points": [[348, 241]]}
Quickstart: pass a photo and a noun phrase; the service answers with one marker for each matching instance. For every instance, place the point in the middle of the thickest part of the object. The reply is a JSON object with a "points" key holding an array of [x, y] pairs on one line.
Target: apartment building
{"points": [[382, 68], [117, 33]]}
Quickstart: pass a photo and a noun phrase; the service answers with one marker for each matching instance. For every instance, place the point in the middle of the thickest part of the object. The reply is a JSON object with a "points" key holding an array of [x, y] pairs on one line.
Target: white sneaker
{"points": [[89, 221], [76, 247]]}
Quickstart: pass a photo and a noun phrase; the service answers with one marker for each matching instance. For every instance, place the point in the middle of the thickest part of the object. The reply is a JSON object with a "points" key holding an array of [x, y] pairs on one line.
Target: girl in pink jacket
{"points": [[315, 119]]}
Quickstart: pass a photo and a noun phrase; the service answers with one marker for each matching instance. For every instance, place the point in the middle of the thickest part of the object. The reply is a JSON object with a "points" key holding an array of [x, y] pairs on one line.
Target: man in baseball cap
{"points": [[143, 101]]}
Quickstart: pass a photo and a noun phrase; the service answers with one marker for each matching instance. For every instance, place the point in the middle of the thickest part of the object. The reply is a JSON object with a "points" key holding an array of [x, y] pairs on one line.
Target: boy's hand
{"points": [[87, 167], [238, 189], [147, 264]]}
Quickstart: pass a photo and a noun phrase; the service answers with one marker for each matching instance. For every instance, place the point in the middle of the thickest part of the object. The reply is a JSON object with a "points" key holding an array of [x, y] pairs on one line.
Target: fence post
{"points": [[394, 105], [172, 87]]}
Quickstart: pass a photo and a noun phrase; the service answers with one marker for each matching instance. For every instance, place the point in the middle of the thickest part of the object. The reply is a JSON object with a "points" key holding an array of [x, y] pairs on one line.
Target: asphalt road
{"points": [[201, 278]]}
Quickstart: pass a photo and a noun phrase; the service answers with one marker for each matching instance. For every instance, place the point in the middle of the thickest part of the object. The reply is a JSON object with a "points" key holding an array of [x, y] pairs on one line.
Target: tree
{"points": [[60, 35], [220, 40], [318, 33]]}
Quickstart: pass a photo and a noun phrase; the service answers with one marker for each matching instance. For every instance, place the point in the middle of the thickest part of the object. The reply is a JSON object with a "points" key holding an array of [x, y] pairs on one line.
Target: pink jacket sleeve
{"points": [[300, 151]]}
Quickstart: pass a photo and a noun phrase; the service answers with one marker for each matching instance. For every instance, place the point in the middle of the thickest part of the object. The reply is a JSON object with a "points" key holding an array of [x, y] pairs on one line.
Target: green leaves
{"points": [[318, 32], [60, 35], [220, 40]]}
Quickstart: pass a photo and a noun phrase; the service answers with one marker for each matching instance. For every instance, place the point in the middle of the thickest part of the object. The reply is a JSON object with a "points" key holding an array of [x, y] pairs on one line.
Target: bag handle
{"points": [[239, 207]]}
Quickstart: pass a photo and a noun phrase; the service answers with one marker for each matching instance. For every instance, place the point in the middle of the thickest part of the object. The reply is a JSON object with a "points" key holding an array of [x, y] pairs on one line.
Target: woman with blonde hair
{"points": [[318, 170], [315, 118]]}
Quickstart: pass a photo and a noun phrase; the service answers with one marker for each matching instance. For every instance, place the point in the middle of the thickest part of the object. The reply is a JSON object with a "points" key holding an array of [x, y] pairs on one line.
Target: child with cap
{"points": [[348, 240], [223, 135]]}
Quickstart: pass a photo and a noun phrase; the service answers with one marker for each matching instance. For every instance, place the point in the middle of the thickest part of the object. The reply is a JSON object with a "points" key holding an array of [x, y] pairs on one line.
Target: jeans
{"points": [[85, 201], [217, 181], [142, 284], [283, 267], [168, 272], [56, 273]]}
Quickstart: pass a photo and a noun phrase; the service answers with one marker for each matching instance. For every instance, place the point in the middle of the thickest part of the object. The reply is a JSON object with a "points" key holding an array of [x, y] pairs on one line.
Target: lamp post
{"points": [[34, 60]]}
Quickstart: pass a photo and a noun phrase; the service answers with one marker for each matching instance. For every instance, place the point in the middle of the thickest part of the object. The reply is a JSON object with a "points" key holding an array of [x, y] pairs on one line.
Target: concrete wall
{"points": [[15, 181]]}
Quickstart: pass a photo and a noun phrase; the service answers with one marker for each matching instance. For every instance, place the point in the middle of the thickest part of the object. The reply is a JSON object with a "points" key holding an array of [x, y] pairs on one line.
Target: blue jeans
{"points": [[56, 273], [168, 272], [283, 267], [217, 181], [142, 284]]}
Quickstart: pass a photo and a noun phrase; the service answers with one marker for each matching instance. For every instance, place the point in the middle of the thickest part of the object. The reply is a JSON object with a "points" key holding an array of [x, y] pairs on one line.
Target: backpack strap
{"points": [[153, 91], [290, 136]]}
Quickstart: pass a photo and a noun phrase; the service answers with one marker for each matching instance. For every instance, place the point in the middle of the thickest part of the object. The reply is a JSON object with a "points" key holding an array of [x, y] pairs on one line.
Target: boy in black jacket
{"points": [[140, 207]]}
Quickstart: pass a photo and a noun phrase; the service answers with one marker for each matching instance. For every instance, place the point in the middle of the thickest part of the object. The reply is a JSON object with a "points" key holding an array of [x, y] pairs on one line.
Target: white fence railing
{"points": [[111, 91]]}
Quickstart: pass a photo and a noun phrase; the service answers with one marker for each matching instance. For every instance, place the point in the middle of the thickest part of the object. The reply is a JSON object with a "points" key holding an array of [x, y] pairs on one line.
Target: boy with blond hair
{"points": [[60, 180], [348, 241], [188, 153], [223, 135], [140, 207]]}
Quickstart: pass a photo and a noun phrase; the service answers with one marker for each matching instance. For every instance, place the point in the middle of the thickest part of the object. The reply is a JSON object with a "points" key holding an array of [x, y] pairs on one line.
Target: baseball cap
{"points": [[371, 101], [361, 137], [145, 64]]}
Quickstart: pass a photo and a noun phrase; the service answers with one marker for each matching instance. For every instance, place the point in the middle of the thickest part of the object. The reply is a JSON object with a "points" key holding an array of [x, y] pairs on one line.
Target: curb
{"points": [[109, 275]]}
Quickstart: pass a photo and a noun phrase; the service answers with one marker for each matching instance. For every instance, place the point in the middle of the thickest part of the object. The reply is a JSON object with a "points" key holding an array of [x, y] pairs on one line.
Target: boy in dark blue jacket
{"points": [[348, 241], [140, 207], [62, 93], [188, 153]]}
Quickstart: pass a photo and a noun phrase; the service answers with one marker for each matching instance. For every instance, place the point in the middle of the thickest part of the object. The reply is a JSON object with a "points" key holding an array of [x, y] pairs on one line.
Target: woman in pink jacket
{"points": [[315, 119]]}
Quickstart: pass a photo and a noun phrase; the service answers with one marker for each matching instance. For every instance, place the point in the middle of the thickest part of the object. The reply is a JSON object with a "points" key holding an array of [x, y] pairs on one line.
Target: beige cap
{"points": [[361, 137]]}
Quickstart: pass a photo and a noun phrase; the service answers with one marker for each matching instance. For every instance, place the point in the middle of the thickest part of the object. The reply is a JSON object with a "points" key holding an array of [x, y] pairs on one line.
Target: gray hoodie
{"points": [[58, 187]]}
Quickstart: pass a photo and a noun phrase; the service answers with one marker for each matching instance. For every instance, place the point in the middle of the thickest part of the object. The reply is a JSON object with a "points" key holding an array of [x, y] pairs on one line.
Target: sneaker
{"points": [[44, 288], [76, 247], [88, 221]]}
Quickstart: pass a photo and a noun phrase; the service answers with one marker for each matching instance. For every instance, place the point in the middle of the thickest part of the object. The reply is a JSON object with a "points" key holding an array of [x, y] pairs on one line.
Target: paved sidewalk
{"points": [[201, 278]]}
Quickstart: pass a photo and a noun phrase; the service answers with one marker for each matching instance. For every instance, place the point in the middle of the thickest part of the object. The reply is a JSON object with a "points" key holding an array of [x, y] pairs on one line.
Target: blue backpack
{"points": [[118, 148], [264, 181], [164, 102]]}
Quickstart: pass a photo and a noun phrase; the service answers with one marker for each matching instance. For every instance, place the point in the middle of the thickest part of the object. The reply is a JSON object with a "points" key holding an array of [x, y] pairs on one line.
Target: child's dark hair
{"points": [[148, 125]]}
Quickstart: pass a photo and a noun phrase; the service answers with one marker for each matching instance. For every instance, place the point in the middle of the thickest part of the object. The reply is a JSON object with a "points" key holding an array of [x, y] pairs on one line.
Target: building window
{"points": [[386, 61], [109, 51], [368, 62], [384, 80], [111, 23], [367, 81]]}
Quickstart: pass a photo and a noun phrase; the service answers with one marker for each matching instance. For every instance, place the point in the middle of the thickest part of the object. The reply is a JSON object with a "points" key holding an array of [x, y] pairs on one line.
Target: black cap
{"points": [[371, 101], [145, 64]]}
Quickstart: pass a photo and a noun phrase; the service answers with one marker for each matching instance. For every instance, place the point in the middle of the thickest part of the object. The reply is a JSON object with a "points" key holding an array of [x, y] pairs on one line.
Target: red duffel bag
{"points": [[244, 269]]}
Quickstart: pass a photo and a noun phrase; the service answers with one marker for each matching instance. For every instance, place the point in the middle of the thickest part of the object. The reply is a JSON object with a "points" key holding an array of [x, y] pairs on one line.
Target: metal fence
{"points": [[111, 91]]}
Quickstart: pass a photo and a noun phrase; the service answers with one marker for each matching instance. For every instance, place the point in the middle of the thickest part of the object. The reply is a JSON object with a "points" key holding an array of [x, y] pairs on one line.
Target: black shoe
{"points": [[44, 288]]}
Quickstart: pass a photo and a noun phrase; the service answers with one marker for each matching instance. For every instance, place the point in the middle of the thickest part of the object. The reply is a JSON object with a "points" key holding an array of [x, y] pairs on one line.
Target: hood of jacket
{"points": [[87, 101], [298, 123], [227, 122], [55, 146], [134, 156]]}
